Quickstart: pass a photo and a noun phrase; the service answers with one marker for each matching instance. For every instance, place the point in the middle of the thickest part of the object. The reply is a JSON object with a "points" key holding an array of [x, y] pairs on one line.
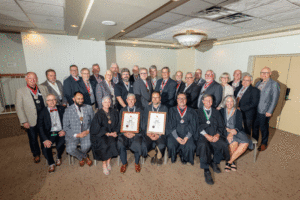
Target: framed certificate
{"points": [[130, 122], [156, 122]]}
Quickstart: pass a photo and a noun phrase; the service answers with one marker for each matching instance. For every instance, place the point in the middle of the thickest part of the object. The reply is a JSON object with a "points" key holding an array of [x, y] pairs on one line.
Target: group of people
{"points": [[213, 120]]}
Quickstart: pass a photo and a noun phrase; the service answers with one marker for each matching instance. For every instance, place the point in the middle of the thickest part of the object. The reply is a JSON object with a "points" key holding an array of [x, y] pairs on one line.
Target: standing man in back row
{"points": [[70, 84]]}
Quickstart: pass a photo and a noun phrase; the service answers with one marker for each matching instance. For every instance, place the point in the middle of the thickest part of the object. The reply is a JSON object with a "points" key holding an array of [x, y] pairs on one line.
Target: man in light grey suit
{"points": [[76, 122], [269, 95], [55, 87], [153, 75], [212, 88], [142, 88]]}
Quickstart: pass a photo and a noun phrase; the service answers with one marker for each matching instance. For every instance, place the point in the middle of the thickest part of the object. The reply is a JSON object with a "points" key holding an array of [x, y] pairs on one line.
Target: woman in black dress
{"points": [[237, 138], [104, 131]]}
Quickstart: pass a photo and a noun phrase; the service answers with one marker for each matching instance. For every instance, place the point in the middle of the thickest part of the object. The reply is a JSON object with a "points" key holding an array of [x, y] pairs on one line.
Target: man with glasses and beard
{"points": [[123, 88]]}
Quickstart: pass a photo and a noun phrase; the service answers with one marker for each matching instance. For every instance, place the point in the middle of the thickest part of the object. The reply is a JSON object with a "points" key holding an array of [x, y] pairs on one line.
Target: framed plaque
{"points": [[130, 122], [156, 122]]}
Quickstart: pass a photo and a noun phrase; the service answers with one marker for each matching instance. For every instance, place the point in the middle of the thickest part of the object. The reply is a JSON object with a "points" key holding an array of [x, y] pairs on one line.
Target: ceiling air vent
{"points": [[214, 12], [235, 18]]}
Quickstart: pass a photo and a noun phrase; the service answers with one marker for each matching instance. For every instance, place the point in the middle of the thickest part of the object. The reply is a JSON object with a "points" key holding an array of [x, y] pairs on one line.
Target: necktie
{"points": [[207, 111], [52, 110]]}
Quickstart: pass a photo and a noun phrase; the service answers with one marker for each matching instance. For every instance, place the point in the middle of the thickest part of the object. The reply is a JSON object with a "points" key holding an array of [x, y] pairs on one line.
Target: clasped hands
{"points": [[48, 143], [83, 134], [112, 134], [214, 138], [182, 141], [153, 136], [129, 135]]}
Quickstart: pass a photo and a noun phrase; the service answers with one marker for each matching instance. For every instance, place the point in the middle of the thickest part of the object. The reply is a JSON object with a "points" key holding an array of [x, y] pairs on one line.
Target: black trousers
{"points": [[33, 133], [261, 122], [161, 144], [60, 147], [248, 124]]}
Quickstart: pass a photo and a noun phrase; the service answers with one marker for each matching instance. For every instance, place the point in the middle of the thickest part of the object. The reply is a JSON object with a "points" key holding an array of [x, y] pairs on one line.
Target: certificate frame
{"points": [[135, 124], [152, 117]]}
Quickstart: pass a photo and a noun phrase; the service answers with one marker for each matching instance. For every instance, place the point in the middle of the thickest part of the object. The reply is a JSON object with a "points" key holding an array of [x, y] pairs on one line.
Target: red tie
{"points": [[52, 110]]}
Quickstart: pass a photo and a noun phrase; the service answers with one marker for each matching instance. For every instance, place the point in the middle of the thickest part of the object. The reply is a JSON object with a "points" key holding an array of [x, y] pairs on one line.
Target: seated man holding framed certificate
{"points": [[131, 136], [154, 126], [181, 131]]}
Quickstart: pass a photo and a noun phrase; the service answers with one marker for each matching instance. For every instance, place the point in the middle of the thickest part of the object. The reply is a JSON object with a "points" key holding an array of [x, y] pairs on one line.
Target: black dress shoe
{"points": [[160, 162], [153, 160], [208, 178], [215, 167]]}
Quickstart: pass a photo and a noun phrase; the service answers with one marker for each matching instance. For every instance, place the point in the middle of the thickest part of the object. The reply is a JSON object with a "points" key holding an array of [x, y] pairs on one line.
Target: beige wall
{"points": [[186, 60]]}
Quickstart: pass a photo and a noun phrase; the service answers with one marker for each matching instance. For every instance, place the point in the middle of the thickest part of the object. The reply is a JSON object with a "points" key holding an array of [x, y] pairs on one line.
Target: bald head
{"points": [[265, 73], [31, 79]]}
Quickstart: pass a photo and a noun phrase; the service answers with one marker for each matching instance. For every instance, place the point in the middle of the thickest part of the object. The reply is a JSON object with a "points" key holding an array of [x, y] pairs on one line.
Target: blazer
{"points": [[70, 88], [121, 91], [214, 89], [93, 78], [249, 102], [238, 126], [25, 105], [268, 97], [131, 79], [71, 120], [80, 87], [168, 93], [239, 87], [192, 94], [143, 97], [44, 122], [102, 90], [52, 91], [200, 82], [182, 84]]}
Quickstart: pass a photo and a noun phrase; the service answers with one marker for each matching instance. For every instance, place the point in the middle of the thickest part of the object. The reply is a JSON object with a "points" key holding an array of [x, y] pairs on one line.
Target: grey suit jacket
{"points": [[142, 95], [52, 91], [268, 97], [214, 89], [25, 106], [71, 120]]}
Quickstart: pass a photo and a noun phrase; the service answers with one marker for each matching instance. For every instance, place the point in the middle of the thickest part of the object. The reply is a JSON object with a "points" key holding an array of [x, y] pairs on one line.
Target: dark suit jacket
{"points": [[200, 82], [192, 94], [182, 84], [52, 91], [131, 79], [249, 101], [93, 78], [238, 126], [238, 88], [121, 91], [80, 87], [168, 93], [120, 78], [44, 122], [70, 88], [143, 97], [216, 90]]}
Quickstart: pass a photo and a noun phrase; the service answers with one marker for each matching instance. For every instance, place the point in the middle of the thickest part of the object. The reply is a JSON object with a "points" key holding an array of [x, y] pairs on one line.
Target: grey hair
{"points": [[143, 68], [225, 74], [233, 98], [114, 64], [130, 94], [106, 97], [179, 72], [125, 70], [249, 76], [152, 67], [190, 73], [51, 95], [207, 95], [30, 73]]}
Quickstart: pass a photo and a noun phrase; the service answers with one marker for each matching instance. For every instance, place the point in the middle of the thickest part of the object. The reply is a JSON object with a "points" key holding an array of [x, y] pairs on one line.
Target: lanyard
{"points": [[127, 87], [207, 116], [163, 85], [88, 87], [157, 108], [181, 113], [228, 116], [133, 108]]}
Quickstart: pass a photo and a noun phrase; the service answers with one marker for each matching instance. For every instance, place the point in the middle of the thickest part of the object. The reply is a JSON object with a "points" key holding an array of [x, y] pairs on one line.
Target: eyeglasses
{"points": [[208, 74], [51, 100], [143, 73], [264, 72], [181, 99], [188, 77]]}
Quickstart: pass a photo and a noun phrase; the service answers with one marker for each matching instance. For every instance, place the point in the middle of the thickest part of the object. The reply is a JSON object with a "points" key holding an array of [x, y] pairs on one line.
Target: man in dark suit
{"points": [[142, 88], [55, 87], [191, 89], [212, 88], [247, 101], [198, 78], [236, 83], [70, 84], [114, 68], [96, 77], [269, 95], [123, 88], [87, 88], [180, 83], [135, 74], [153, 75], [167, 88], [51, 131]]}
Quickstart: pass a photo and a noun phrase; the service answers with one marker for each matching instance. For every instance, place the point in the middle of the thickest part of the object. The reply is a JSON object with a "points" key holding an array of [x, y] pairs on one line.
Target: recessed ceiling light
{"points": [[122, 31], [74, 26], [109, 23], [92, 38], [134, 45]]}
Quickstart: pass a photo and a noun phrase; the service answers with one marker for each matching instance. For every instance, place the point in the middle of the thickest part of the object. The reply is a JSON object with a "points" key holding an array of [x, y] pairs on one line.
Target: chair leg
{"points": [[255, 149], [118, 160], [69, 157], [72, 160], [143, 160], [95, 162], [166, 157]]}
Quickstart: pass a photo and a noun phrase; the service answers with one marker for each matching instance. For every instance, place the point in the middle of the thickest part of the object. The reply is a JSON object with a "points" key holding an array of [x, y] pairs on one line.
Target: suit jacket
{"points": [[80, 87], [239, 87], [143, 97], [44, 122], [102, 90], [249, 102], [192, 94], [238, 122], [119, 76], [52, 91], [25, 105], [121, 91], [93, 78], [182, 85], [131, 79], [150, 79], [268, 97], [200, 82], [214, 89], [71, 120], [70, 88], [168, 93]]}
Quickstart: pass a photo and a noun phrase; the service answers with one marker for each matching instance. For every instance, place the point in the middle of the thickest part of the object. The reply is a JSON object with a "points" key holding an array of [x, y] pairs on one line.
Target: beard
{"points": [[79, 104], [125, 79]]}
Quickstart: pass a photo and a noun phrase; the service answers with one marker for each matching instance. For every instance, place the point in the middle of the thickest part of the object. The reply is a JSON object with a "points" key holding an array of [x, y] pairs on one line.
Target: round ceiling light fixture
{"points": [[109, 23], [190, 38], [74, 26]]}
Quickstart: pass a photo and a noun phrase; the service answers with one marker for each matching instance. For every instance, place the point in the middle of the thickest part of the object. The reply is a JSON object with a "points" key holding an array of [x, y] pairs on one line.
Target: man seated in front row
{"points": [[155, 141], [77, 121], [212, 137], [132, 141], [181, 131], [50, 127]]}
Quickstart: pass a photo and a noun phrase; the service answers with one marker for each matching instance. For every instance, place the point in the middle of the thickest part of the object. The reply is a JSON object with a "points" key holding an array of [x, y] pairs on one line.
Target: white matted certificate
{"points": [[156, 122], [130, 122]]}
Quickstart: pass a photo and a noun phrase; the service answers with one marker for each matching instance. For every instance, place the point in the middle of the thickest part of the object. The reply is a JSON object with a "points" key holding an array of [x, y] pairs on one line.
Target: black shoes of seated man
{"points": [[215, 167], [208, 179], [155, 160]]}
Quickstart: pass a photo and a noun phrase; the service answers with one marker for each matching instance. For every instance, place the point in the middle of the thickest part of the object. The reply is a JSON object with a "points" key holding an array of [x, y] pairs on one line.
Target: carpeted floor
{"points": [[275, 175]]}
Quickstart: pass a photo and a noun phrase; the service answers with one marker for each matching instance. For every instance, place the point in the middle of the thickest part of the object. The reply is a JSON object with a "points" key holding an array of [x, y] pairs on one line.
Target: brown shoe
{"points": [[36, 159], [262, 147], [137, 168], [58, 162], [82, 162], [88, 161], [123, 168], [51, 168]]}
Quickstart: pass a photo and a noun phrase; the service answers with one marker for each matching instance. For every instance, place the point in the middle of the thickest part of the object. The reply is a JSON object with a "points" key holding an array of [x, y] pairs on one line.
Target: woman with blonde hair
{"points": [[227, 89]]}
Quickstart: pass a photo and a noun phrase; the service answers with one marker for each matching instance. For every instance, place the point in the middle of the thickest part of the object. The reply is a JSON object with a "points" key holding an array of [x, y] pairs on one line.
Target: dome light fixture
{"points": [[190, 38]]}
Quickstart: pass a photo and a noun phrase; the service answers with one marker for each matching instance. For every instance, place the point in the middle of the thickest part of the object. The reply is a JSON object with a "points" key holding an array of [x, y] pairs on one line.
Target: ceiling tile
{"points": [[208, 25], [9, 5], [169, 18], [283, 16], [290, 22], [153, 25], [16, 23], [243, 5], [193, 22], [49, 26], [10, 15], [51, 2], [42, 9], [46, 19], [137, 32], [216, 2], [192, 7], [264, 27], [252, 23]]}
